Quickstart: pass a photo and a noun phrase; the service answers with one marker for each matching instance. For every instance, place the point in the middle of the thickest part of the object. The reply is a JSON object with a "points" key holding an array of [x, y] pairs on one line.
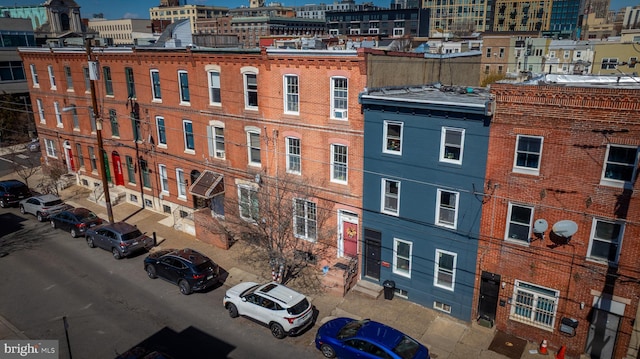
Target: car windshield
{"points": [[87, 216], [53, 203], [204, 266], [131, 235], [350, 329], [407, 348], [299, 308]]}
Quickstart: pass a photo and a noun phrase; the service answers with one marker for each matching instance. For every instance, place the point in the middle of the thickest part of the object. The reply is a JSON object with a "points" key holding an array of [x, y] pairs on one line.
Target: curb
{"points": [[4, 322]]}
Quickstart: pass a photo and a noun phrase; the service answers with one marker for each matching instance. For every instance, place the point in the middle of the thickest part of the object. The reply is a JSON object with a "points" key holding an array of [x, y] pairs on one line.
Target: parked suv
{"points": [[188, 268], [121, 239], [43, 206], [12, 192], [283, 310]]}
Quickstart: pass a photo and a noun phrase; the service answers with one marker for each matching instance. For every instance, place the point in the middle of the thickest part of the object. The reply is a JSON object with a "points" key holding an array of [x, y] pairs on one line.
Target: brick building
{"points": [[558, 255]]}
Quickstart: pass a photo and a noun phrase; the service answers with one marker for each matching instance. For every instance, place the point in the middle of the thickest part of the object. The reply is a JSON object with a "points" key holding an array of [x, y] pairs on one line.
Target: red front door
{"points": [[71, 164], [117, 169], [350, 236]]}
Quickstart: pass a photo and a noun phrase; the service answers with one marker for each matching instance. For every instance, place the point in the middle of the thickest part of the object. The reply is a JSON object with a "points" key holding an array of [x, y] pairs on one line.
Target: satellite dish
{"points": [[540, 226], [565, 228]]}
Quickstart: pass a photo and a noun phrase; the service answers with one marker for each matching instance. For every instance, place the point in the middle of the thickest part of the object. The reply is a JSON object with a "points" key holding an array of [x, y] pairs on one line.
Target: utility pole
{"points": [[98, 119]]}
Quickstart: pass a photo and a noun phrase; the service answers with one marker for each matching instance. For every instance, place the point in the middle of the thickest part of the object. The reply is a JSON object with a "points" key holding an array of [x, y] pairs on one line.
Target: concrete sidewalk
{"points": [[445, 337]]}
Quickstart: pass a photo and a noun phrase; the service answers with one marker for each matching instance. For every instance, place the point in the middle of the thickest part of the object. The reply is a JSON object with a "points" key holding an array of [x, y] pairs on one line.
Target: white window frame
{"points": [[447, 156], [395, 269], [186, 136], [294, 160], [56, 108], [251, 148], [182, 185], [161, 142], [52, 77], [338, 96], [535, 293], [438, 270], [164, 178], [183, 100], [527, 152], [291, 91], [510, 222], [386, 137], [50, 147], [441, 208], [41, 111], [217, 145], [246, 72], [155, 95], [384, 196], [214, 84], [305, 218], [251, 202], [607, 181], [398, 31], [34, 76], [337, 165], [611, 241]]}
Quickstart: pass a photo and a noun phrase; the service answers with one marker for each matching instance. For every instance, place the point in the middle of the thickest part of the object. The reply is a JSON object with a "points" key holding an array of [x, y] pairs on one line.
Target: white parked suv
{"points": [[282, 309]]}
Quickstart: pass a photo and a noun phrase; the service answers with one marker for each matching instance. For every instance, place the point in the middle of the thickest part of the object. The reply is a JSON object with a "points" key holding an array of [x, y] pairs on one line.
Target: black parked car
{"points": [[188, 268], [76, 221], [12, 192], [121, 239]]}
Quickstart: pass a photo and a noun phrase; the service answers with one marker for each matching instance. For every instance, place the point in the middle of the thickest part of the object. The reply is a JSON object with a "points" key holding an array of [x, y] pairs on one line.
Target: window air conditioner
{"points": [[340, 113], [220, 154]]}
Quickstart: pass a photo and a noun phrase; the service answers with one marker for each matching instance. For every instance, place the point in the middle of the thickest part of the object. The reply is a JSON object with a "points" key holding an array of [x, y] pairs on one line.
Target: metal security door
{"points": [[488, 301], [602, 334], [372, 251]]}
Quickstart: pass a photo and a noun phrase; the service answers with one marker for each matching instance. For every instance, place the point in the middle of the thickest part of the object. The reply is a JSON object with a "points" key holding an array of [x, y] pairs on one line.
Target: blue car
{"points": [[349, 338]]}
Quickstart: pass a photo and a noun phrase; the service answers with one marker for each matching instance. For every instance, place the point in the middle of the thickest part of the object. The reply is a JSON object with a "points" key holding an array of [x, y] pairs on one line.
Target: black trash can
{"points": [[389, 289]]}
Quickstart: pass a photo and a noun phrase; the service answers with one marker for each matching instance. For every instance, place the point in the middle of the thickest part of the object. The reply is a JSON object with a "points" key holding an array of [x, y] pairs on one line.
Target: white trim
{"points": [[437, 269], [286, 94], [617, 241], [385, 137], [394, 268], [455, 209], [443, 144], [524, 169], [154, 96], [333, 164], [530, 224], [384, 195]]}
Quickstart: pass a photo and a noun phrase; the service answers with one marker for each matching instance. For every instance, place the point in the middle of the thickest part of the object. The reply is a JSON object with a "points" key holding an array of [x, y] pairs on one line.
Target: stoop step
{"points": [[368, 288]]}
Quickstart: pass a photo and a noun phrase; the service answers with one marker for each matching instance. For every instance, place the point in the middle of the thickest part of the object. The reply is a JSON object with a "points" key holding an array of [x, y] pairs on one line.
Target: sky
{"points": [[139, 9]]}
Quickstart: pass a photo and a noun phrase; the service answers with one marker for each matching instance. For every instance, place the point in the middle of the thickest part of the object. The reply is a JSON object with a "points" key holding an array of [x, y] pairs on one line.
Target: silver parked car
{"points": [[43, 206], [121, 239]]}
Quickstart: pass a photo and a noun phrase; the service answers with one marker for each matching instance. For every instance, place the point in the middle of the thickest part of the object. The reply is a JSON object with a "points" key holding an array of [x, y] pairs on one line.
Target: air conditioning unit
{"points": [[340, 113], [220, 154]]}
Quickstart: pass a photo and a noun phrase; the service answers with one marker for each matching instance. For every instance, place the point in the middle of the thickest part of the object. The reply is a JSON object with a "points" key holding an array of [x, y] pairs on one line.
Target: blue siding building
{"points": [[425, 155]]}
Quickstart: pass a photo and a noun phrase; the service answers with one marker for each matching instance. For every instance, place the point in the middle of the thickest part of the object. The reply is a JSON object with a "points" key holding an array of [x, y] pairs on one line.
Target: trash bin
{"points": [[389, 288]]}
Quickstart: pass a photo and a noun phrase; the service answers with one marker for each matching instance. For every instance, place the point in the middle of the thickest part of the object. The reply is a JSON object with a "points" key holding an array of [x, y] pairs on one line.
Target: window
{"points": [[253, 144], [74, 115], [92, 159], [294, 164], [182, 184], [534, 305], [34, 75], [402, 257], [251, 91], [108, 83], [451, 145], [51, 148], [131, 85], [608, 64], [519, 222], [445, 269], [52, 77], [528, 152], [188, 135], [390, 196], [339, 103], [164, 179], [92, 119], [632, 62], [56, 108], [135, 126], [304, 219], [488, 52], [67, 75], [248, 198], [41, 111], [87, 79], [155, 85], [131, 170], [113, 119], [501, 52], [214, 88], [291, 94], [339, 162], [604, 244], [183, 81], [162, 134], [447, 209], [216, 141], [146, 178], [392, 137], [620, 165], [80, 156]]}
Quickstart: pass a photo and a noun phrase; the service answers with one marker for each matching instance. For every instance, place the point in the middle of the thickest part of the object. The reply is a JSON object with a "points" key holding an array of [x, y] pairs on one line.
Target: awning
{"points": [[207, 185]]}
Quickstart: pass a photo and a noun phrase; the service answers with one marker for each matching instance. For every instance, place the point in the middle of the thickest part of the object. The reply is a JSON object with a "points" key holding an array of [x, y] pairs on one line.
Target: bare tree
{"points": [[52, 172], [23, 164], [14, 120]]}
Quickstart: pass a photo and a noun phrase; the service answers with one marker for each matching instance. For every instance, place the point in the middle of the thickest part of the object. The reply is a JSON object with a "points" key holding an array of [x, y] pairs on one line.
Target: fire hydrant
{"points": [[543, 347]]}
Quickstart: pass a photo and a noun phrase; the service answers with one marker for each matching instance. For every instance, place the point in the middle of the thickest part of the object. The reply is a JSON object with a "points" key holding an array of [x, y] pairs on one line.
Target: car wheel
{"points": [[39, 217], [53, 224], [185, 288], [277, 330], [21, 207], [90, 242], [327, 351], [74, 233], [151, 272], [116, 253], [233, 311]]}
